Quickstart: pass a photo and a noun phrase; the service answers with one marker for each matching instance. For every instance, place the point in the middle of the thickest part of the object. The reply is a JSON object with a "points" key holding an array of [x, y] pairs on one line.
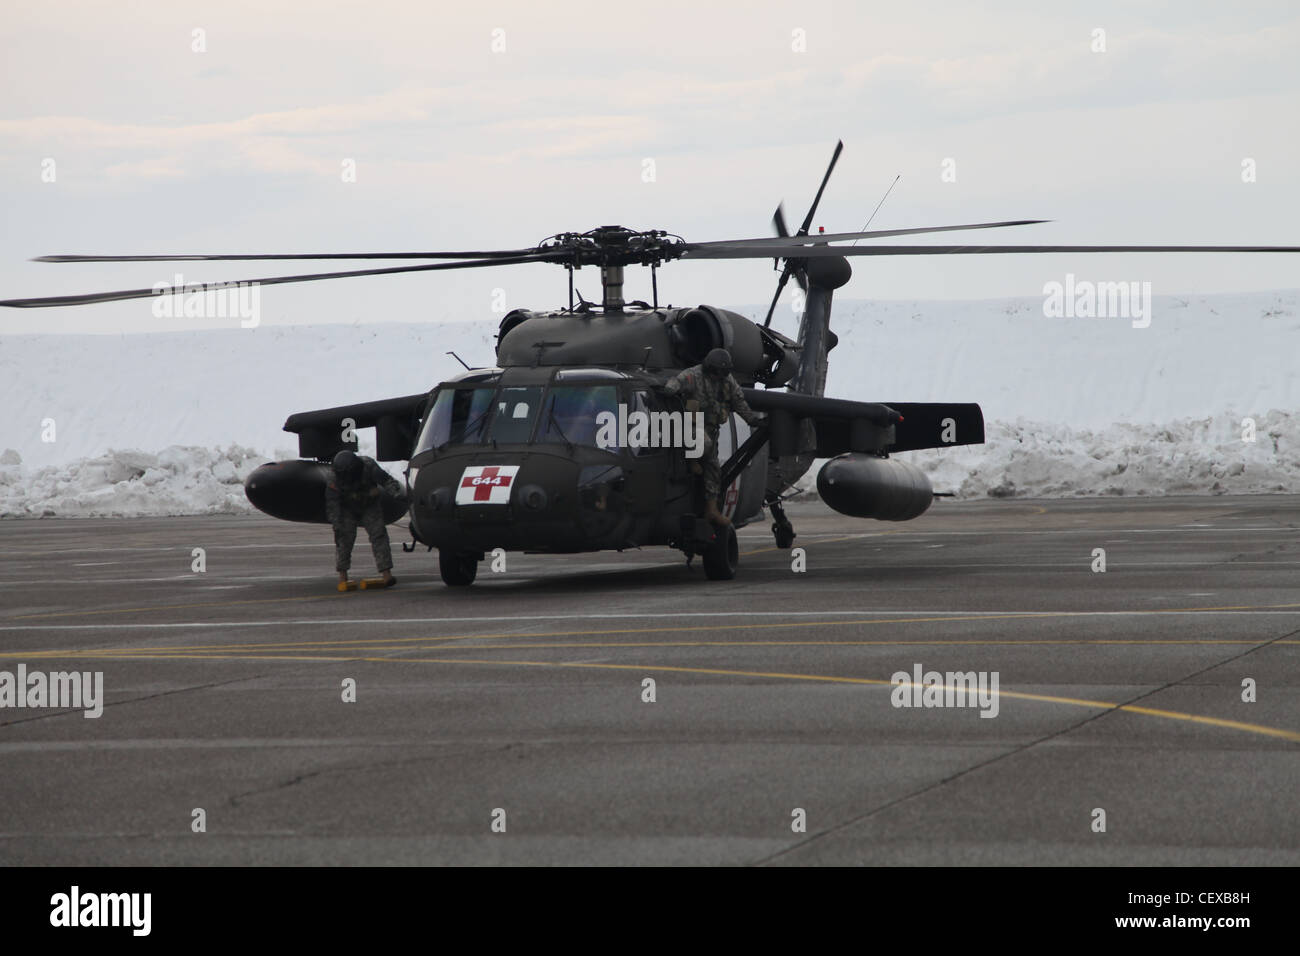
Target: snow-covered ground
{"points": [[178, 480], [171, 423]]}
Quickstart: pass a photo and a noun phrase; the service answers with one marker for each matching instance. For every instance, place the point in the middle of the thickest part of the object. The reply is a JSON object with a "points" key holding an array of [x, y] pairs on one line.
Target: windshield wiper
{"points": [[552, 420], [477, 418]]}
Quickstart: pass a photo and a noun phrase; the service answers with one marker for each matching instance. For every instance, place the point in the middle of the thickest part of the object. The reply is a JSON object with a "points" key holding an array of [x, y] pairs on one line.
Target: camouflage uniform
{"points": [[347, 505], [718, 398]]}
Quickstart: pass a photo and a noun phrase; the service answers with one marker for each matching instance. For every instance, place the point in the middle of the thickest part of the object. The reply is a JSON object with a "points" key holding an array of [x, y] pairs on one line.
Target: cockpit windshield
{"points": [[516, 411], [570, 411], [458, 416], [516, 415]]}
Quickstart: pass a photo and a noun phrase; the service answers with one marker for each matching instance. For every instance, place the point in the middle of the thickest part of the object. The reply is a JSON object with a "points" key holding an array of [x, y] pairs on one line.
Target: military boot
{"points": [[714, 516]]}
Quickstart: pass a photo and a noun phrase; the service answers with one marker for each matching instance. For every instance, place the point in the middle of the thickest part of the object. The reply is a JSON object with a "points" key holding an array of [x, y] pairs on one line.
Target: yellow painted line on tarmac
{"points": [[1212, 721], [169, 607], [1290, 735], [391, 641], [1277, 732], [642, 644], [264, 652]]}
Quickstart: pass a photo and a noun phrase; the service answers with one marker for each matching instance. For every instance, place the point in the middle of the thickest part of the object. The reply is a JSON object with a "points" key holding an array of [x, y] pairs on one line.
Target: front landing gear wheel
{"points": [[458, 570], [722, 557]]}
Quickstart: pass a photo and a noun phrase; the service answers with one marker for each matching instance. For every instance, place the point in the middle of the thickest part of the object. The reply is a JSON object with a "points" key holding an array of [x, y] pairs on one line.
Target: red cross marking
{"points": [[484, 483]]}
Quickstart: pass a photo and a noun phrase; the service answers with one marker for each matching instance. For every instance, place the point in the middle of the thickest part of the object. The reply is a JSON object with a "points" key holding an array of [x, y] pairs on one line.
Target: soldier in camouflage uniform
{"points": [[353, 497], [711, 389]]}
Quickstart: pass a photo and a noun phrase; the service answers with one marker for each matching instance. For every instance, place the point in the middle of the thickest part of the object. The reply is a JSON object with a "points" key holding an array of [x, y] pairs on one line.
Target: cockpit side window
{"points": [[457, 417], [647, 406]]}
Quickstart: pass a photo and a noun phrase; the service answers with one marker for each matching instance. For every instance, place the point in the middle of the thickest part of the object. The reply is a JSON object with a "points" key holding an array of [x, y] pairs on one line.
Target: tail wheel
{"points": [[458, 570], [783, 531], [722, 556]]}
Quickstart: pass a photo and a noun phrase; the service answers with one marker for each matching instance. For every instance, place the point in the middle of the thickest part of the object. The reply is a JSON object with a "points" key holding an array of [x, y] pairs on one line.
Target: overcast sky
{"points": [[496, 125]]}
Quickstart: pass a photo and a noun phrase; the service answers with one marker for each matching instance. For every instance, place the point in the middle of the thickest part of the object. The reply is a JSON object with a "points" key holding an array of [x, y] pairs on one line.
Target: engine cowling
{"points": [[295, 491], [864, 486]]}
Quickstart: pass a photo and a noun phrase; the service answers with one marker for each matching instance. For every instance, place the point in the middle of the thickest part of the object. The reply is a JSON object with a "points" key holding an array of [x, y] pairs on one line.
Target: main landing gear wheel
{"points": [[722, 557], [458, 570]]}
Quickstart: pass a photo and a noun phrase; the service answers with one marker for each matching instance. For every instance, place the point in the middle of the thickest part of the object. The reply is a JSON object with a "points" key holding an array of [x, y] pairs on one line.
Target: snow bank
{"points": [[178, 480], [1068, 402], [1186, 457], [1020, 459]]}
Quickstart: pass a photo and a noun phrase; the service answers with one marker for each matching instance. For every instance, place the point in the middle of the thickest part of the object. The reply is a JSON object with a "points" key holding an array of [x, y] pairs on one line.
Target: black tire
{"points": [[457, 570], [722, 557], [784, 534]]}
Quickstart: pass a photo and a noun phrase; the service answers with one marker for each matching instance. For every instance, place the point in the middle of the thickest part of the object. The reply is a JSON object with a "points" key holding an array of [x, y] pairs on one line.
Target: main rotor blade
{"points": [[495, 254], [825, 237], [812, 210], [824, 251], [47, 301]]}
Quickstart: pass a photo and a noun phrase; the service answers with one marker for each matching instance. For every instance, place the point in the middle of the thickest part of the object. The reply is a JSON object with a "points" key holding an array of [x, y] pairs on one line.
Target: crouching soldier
{"points": [[354, 496], [711, 389]]}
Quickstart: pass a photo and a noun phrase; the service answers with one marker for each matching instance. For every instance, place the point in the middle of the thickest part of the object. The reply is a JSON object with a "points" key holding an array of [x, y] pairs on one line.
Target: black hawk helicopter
{"points": [[510, 457]]}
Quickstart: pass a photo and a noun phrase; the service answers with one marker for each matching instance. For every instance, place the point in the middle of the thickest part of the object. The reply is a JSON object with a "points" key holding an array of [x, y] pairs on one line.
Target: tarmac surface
{"points": [[773, 737]]}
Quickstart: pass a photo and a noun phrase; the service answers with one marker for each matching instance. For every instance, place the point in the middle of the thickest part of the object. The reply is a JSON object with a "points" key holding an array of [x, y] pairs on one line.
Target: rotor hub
{"points": [[613, 246]]}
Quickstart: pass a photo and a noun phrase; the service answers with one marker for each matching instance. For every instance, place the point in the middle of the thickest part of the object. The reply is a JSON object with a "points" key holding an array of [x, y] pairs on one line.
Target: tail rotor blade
{"points": [[778, 221], [780, 285], [812, 210]]}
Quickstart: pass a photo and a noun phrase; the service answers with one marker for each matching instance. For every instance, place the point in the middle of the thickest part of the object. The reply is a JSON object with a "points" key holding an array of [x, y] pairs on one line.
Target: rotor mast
{"points": [[611, 283]]}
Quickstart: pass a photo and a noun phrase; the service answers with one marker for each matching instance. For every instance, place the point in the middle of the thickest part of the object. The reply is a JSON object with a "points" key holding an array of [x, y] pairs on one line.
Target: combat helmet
{"points": [[718, 362]]}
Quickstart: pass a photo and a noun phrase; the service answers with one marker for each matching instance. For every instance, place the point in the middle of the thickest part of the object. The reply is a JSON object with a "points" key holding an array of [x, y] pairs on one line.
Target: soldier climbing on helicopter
{"points": [[710, 388]]}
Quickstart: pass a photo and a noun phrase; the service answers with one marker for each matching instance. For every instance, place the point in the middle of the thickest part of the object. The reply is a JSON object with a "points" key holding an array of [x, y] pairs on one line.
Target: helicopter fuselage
{"points": [[516, 459]]}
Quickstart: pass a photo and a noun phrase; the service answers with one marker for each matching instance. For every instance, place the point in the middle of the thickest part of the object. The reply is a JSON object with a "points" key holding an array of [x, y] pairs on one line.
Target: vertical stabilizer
{"points": [[823, 276]]}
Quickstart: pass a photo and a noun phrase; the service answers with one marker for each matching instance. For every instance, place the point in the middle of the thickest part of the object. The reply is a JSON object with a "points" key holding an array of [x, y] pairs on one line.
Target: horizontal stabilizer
{"points": [[937, 425], [842, 426], [839, 425]]}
